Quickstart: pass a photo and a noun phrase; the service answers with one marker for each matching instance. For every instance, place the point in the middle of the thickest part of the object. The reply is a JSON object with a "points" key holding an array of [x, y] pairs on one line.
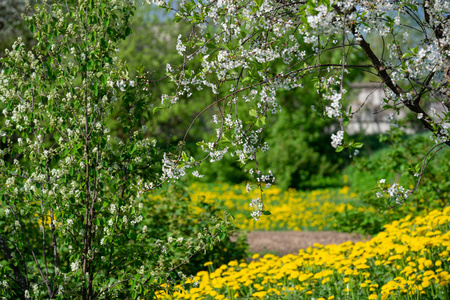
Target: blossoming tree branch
{"points": [[250, 49]]}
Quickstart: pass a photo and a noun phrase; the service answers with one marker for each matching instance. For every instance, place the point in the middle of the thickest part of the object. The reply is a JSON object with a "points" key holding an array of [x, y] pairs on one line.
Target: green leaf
{"points": [[345, 122], [267, 213], [50, 106], [418, 167], [259, 2], [156, 109], [253, 113], [263, 120], [346, 136], [103, 79], [340, 148], [406, 55], [225, 46], [412, 6], [246, 79], [211, 45], [133, 148], [184, 156], [177, 18]]}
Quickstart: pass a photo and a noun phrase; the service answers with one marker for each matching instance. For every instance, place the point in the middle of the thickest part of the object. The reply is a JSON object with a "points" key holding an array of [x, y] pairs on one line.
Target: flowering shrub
{"points": [[409, 260], [172, 214], [71, 198], [402, 156]]}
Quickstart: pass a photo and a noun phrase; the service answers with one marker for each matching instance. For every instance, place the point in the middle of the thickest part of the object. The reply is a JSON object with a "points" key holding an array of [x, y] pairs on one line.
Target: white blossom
{"points": [[336, 139], [180, 47], [74, 266]]}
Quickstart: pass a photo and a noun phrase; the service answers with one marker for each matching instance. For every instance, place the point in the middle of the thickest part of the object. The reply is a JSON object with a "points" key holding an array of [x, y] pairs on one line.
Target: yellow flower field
{"points": [[291, 210], [409, 260]]}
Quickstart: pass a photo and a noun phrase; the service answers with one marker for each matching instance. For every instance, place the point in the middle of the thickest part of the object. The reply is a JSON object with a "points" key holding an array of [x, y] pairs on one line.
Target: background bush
{"points": [[172, 213], [404, 157]]}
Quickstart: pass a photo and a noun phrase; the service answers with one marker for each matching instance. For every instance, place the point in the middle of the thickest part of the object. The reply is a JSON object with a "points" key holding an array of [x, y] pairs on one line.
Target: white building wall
{"points": [[371, 118]]}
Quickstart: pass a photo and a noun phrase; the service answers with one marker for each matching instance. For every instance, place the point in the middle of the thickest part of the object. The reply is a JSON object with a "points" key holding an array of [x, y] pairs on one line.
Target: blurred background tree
{"points": [[300, 155], [12, 24]]}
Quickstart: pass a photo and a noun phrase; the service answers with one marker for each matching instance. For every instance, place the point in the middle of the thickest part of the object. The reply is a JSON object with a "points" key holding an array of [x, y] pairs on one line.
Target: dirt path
{"points": [[285, 242]]}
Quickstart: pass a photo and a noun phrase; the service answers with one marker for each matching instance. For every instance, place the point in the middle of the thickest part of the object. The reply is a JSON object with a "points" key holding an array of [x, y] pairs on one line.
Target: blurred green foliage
{"points": [[397, 163], [148, 50], [300, 153], [12, 24], [171, 213]]}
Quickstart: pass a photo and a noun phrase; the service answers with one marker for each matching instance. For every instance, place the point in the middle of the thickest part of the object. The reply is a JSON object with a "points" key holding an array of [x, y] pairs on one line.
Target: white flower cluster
{"points": [[121, 84], [197, 174], [322, 16], [74, 266], [258, 208], [395, 192], [442, 136], [156, 2], [268, 179], [336, 139], [172, 169], [180, 47], [334, 110]]}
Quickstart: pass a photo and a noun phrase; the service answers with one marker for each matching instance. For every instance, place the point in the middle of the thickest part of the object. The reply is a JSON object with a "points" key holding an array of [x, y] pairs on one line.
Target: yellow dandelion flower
{"points": [[259, 295], [255, 256]]}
